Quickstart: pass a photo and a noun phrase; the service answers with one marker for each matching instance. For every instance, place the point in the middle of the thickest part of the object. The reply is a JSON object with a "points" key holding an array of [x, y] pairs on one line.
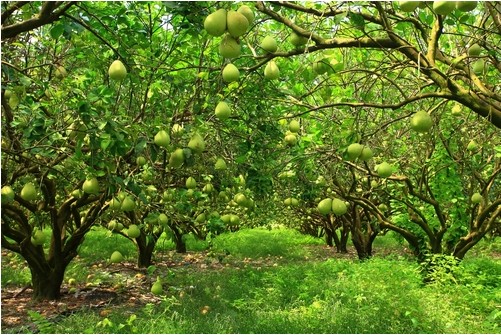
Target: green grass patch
{"points": [[261, 242]]}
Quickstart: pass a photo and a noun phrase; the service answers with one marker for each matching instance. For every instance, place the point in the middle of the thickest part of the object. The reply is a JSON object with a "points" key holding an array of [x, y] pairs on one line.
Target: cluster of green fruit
{"points": [[336, 206], [291, 135], [232, 24], [358, 151], [177, 158], [439, 7]]}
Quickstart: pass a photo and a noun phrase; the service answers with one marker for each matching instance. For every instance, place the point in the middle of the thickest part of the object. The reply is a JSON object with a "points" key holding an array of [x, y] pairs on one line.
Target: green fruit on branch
{"points": [[38, 238], [474, 50], [374, 184], [223, 111], [226, 218], [383, 207], [157, 288], [220, 164], [133, 231], [443, 7], [77, 194], [294, 202], [176, 158], [325, 206], [421, 122], [196, 143], [91, 186], [479, 67], [320, 66], [476, 198], [338, 206], [60, 72], [472, 146], [128, 204], [200, 218], [354, 151], [234, 219], [117, 70], [191, 183], [240, 199], [384, 170], [140, 160], [366, 154], [116, 257], [177, 129], [294, 126], [230, 73], [290, 139], [112, 225], [456, 109], [29, 192], [466, 6], [298, 40], [408, 6], [269, 44], [7, 94], [7, 194], [13, 100], [163, 219], [208, 188], [247, 12], [229, 47], [271, 71], [236, 23], [215, 23], [162, 139], [115, 204], [288, 202]]}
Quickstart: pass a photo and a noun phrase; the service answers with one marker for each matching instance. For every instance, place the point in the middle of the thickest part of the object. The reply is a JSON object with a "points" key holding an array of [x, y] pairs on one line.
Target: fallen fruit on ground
{"points": [[116, 257]]}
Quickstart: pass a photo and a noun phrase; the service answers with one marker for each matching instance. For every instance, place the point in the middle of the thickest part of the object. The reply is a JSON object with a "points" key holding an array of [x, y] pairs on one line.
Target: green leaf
{"points": [[57, 31]]}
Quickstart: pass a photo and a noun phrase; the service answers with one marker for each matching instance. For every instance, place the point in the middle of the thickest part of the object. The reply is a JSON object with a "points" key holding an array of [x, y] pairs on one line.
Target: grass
{"points": [[272, 283]]}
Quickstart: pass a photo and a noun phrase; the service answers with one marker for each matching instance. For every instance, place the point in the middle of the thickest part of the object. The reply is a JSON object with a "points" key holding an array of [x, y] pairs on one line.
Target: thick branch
{"points": [[47, 15]]}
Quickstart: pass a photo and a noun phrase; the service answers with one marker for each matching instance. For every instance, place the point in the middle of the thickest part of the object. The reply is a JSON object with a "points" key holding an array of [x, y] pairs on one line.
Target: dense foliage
{"points": [[148, 119]]}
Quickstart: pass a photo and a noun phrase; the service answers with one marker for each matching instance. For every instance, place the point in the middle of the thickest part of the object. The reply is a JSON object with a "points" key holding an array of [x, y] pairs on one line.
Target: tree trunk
{"points": [[329, 237], [145, 247], [345, 233], [47, 284]]}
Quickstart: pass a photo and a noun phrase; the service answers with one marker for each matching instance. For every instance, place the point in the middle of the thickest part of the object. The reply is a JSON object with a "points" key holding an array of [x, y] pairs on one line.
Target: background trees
{"points": [[348, 73]]}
